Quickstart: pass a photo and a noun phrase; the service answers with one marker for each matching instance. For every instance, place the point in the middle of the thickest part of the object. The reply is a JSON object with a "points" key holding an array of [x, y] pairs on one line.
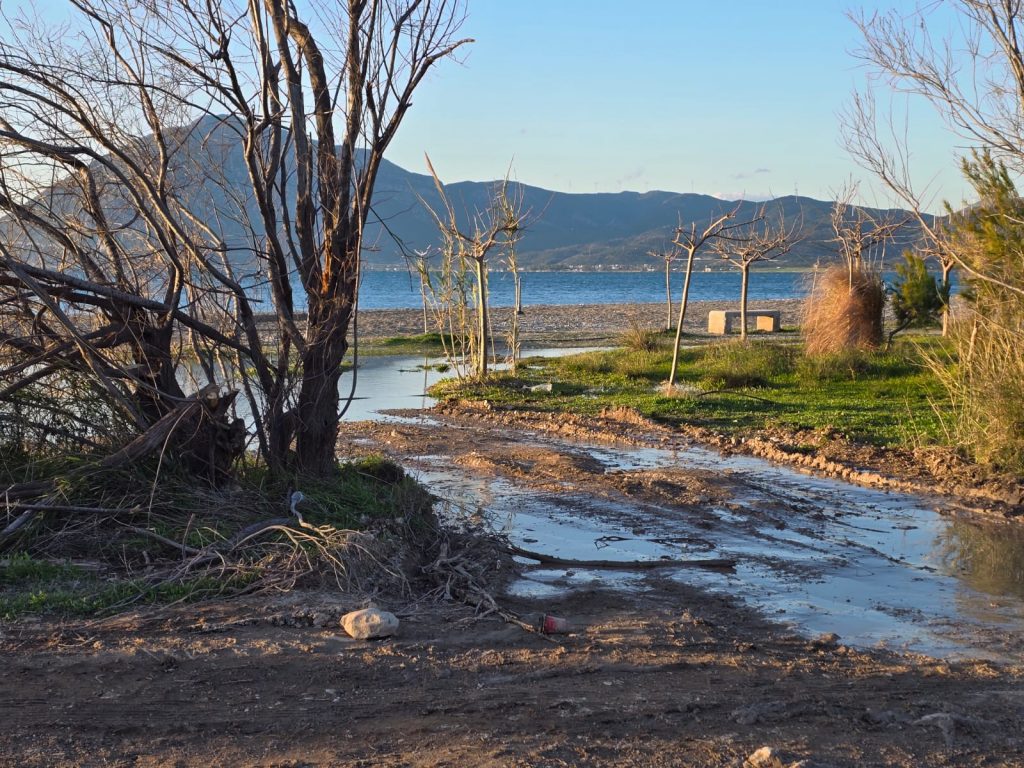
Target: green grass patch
{"points": [[733, 387], [371, 488], [30, 586]]}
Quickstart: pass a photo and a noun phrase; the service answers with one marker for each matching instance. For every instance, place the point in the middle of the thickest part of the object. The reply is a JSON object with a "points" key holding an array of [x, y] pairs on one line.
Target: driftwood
{"points": [[716, 564], [196, 432]]}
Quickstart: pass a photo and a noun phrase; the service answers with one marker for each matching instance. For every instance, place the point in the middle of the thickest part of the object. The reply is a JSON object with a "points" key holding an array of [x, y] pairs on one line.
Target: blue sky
{"points": [[735, 98]]}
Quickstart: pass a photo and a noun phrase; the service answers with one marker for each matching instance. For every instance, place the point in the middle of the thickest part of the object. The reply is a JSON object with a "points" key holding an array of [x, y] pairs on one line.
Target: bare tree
{"points": [[422, 266], [499, 226], [972, 73], [667, 257], [974, 78], [170, 160], [760, 239], [690, 240], [860, 237]]}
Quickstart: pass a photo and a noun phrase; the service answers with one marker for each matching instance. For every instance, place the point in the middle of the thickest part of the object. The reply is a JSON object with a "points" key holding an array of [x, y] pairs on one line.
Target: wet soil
{"points": [[657, 671], [664, 676], [929, 470]]}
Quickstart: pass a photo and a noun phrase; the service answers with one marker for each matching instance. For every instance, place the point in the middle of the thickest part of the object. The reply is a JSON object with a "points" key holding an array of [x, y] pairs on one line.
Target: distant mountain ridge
{"points": [[585, 231], [563, 230]]}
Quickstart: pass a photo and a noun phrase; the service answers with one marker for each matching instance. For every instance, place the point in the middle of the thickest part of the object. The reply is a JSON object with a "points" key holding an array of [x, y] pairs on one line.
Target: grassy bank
{"points": [[121, 540], [885, 398]]}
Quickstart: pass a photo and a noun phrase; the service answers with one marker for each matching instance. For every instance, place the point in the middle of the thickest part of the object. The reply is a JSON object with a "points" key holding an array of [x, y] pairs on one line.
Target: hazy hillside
{"points": [[587, 230], [564, 231]]}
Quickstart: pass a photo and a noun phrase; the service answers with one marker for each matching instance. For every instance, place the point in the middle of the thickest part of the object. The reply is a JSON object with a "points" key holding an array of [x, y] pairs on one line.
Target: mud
{"points": [[883, 568], [927, 470], [665, 676], [794, 650]]}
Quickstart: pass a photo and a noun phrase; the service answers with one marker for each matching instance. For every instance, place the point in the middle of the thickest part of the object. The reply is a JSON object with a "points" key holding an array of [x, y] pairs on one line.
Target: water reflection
{"points": [[988, 558]]}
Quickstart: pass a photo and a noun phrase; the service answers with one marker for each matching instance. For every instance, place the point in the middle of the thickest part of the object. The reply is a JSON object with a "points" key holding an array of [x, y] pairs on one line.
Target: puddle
{"points": [[388, 383], [879, 569]]}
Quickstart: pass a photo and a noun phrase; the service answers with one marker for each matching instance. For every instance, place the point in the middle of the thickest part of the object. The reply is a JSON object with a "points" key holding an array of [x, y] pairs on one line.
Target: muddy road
{"points": [[881, 569], [858, 628]]}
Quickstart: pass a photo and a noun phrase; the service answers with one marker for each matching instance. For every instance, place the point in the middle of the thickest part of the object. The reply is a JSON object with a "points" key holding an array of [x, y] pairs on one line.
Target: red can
{"points": [[553, 625]]}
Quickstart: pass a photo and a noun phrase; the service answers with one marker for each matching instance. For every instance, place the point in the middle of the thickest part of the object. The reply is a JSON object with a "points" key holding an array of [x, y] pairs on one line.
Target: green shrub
{"points": [[917, 298]]}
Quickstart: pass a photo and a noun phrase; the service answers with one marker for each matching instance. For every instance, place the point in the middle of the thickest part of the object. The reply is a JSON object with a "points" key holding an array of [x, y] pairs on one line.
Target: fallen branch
{"points": [[715, 564], [185, 549]]}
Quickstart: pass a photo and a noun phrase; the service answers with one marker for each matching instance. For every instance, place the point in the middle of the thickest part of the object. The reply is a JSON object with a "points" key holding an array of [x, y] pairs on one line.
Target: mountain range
{"points": [[588, 231], [562, 230]]}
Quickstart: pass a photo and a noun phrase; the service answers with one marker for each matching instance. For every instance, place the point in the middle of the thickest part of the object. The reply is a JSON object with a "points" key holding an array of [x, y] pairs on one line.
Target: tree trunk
{"points": [[686, 288], [682, 316], [668, 298], [482, 329], [423, 298], [946, 269], [317, 411], [745, 269], [519, 292]]}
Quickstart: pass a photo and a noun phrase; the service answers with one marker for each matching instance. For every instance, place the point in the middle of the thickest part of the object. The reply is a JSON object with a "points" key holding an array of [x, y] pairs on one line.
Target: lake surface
{"points": [[394, 290], [401, 290]]}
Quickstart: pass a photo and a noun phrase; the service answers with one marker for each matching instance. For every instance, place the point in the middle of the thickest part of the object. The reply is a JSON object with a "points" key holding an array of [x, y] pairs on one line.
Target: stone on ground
{"points": [[370, 624]]}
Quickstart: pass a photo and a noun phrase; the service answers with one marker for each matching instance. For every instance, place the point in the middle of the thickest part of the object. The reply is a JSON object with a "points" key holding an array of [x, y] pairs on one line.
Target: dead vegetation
{"points": [[843, 311]]}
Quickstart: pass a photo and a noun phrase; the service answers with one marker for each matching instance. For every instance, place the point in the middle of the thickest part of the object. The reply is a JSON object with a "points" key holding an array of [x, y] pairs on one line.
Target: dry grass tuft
{"points": [[843, 311], [640, 338], [984, 378]]}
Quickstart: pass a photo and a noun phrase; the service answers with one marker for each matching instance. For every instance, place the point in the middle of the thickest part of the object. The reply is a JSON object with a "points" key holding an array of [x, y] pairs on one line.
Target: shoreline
{"points": [[551, 324]]}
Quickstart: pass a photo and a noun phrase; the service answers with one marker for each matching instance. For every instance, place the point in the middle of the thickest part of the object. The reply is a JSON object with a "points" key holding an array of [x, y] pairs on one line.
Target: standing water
{"points": [[880, 569]]}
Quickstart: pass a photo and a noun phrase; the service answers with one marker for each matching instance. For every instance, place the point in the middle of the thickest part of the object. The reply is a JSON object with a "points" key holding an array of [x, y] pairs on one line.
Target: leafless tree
{"points": [[498, 227], [689, 239], [667, 257], [972, 74], [422, 266], [763, 238], [163, 163], [859, 236]]}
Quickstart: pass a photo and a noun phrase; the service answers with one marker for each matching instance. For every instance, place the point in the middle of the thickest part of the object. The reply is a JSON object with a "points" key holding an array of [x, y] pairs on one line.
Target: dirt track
{"points": [[670, 677], [662, 674]]}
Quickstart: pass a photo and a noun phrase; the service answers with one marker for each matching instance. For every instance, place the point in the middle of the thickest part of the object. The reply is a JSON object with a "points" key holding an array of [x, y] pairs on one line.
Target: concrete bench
{"points": [[721, 321]]}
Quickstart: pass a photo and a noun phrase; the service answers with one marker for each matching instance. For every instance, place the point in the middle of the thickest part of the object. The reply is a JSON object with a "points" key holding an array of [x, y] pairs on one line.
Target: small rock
{"points": [[548, 387], [370, 623], [765, 757], [827, 641]]}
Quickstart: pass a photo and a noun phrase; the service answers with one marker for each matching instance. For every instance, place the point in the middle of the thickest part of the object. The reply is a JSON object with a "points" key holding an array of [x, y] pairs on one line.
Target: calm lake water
{"points": [[398, 290], [401, 290]]}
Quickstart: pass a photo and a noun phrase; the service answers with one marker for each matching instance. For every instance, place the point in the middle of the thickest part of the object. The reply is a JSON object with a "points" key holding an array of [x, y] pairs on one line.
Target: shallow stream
{"points": [[878, 568]]}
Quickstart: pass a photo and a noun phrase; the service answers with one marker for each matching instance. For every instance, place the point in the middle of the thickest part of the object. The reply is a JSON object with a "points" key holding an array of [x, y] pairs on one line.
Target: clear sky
{"points": [[735, 98], [732, 98]]}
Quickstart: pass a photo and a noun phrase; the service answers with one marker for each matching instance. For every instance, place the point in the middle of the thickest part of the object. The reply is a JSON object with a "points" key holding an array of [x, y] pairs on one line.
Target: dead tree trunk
{"points": [[482, 320]]}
